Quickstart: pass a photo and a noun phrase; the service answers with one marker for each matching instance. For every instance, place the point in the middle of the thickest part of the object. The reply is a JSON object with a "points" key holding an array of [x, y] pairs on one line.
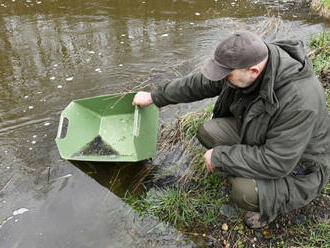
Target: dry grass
{"points": [[182, 133], [321, 7]]}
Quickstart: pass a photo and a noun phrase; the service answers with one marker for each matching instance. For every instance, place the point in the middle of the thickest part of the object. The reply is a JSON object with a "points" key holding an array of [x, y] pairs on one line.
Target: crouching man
{"points": [[270, 129]]}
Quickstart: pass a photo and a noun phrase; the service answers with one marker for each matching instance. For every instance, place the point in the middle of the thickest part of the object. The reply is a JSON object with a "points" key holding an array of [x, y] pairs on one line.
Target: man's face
{"points": [[240, 78]]}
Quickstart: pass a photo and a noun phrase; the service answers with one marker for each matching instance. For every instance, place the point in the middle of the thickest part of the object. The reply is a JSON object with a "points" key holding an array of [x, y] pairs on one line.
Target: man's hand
{"points": [[142, 99], [207, 158]]}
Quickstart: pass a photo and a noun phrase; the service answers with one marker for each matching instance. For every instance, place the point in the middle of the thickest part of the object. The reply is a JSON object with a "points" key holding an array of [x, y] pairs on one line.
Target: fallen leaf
{"points": [[267, 235]]}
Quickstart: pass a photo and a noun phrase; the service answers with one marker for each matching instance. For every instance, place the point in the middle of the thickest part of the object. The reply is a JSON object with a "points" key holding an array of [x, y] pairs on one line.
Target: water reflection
{"points": [[120, 9], [119, 178]]}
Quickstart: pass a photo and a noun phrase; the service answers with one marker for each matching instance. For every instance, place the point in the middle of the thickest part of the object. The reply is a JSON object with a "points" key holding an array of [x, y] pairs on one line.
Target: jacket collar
{"points": [[267, 85]]}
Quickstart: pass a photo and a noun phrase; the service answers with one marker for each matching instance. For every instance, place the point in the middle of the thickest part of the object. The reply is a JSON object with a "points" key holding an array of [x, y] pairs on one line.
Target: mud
{"points": [[97, 147]]}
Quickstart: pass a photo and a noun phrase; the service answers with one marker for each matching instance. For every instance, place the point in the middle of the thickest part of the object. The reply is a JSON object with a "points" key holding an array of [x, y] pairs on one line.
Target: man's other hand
{"points": [[207, 158], [142, 99]]}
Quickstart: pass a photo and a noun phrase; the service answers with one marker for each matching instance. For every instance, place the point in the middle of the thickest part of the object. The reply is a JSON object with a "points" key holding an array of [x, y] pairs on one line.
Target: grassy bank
{"points": [[320, 56], [195, 202], [195, 205]]}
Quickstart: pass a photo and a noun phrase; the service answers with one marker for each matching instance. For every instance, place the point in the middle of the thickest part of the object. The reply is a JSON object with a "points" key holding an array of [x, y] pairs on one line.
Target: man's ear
{"points": [[255, 71]]}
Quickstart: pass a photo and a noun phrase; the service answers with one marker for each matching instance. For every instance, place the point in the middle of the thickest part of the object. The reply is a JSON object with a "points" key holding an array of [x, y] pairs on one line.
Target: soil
{"points": [[97, 147], [284, 228], [325, 80]]}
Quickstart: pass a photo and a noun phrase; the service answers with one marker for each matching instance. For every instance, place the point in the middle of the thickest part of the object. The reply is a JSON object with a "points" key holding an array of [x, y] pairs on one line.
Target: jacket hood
{"points": [[287, 63], [295, 48]]}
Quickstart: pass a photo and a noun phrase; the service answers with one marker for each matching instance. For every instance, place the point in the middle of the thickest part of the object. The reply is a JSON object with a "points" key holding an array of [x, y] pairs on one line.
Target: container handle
{"points": [[136, 123], [62, 127]]}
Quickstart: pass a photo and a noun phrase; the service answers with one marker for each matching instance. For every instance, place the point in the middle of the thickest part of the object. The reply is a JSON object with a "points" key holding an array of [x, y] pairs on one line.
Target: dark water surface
{"points": [[58, 50]]}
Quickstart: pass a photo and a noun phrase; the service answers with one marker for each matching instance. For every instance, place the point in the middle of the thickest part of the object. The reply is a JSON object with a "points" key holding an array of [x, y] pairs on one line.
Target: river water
{"points": [[54, 51]]}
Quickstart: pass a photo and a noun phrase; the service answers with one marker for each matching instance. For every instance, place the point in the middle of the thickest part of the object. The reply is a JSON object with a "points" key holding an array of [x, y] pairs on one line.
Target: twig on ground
{"points": [[6, 184]]}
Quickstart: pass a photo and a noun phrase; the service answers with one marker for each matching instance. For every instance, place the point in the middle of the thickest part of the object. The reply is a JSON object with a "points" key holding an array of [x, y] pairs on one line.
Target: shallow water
{"points": [[55, 51]]}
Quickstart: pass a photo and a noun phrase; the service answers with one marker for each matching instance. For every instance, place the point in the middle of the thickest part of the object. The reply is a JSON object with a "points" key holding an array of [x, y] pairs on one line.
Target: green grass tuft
{"points": [[190, 122], [314, 235], [320, 54], [326, 3], [188, 126], [326, 189], [181, 206]]}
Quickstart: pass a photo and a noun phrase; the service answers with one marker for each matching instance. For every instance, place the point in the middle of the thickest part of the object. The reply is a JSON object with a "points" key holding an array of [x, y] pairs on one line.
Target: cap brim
{"points": [[214, 72]]}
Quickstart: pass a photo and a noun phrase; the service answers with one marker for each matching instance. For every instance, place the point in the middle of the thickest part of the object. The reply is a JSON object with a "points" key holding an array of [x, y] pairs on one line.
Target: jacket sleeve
{"points": [[285, 143], [191, 88]]}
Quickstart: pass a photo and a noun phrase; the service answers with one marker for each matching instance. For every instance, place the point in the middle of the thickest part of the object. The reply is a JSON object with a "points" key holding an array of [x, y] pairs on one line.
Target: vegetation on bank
{"points": [[196, 205], [313, 234], [320, 57], [320, 54], [193, 204], [321, 7], [195, 200]]}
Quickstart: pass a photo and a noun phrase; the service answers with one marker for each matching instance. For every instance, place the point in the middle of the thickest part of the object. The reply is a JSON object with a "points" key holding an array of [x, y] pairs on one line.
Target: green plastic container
{"points": [[107, 128]]}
